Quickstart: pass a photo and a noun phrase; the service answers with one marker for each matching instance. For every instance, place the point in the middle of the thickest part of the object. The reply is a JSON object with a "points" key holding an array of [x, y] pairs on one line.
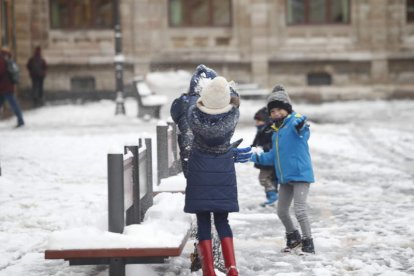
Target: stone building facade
{"points": [[372, 50]]}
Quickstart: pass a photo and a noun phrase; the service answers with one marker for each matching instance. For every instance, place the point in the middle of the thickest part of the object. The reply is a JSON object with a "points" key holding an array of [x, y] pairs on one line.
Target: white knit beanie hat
{"points": [[215, 97]]}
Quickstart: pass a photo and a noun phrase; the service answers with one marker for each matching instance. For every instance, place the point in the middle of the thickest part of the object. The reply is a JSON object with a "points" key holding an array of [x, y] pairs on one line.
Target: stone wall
{"points": [[377, 47]]}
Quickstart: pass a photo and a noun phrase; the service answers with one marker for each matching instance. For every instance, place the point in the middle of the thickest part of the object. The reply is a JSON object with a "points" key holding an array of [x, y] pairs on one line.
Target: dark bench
{"points": [[130, 195], [149, 104]]}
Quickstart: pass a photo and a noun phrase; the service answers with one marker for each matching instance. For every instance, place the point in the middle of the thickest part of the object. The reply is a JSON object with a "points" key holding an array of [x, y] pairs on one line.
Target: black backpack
{"points": [[13, 70]]}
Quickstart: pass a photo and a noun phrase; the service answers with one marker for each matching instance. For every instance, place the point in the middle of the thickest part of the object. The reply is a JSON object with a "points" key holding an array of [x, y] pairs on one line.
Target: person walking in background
{"points": [[7, 87], [263, 142], [37, 67], [292, 161], [211, 177]]}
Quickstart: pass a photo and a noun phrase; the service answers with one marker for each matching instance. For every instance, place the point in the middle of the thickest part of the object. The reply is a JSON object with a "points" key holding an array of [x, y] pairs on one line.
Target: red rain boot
{"points": [[229, 258], [205, 249]]}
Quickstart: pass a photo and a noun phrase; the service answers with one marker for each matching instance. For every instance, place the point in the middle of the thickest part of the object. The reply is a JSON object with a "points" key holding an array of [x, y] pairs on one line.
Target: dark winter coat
{"points": [[211, 180], [6, 85], [179, 109], [263, 139], [37, 65]]}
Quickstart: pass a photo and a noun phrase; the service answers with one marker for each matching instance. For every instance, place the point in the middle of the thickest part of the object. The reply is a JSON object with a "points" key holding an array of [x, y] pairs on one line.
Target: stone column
{"points": [[259, 42], [27, 31], [379, 40], [143, 28]]}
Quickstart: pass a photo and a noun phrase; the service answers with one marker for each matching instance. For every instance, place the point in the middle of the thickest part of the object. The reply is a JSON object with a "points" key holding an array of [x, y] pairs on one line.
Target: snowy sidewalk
{"points": [[362, 205]]}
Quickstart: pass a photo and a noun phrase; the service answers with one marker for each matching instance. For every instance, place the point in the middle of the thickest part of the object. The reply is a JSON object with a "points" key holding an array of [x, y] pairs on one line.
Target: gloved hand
{"points": [[201, 72], [257, 150], [299, 122], [242, 155]]}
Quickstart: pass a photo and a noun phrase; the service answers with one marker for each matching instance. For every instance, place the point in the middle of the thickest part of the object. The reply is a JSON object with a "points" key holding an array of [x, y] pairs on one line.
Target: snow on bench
{"points": [[163, 233], [164, 230], [149, 104], [176, 183]]}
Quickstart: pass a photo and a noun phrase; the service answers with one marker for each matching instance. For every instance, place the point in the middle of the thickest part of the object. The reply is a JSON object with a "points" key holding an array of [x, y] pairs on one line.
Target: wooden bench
{"points": [[130, 196], [149, 104]]}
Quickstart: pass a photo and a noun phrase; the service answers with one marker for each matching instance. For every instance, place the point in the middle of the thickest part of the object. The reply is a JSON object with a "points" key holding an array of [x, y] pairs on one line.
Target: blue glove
{"points": [[299, 122], [242, 155]]}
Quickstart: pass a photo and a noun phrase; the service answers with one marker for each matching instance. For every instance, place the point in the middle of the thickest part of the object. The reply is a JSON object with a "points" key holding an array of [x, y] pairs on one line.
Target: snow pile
{"points": [[172, 183], [165, 225]]}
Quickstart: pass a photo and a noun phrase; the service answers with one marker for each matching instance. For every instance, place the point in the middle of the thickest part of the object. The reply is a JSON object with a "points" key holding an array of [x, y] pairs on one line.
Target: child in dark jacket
{"points": [[263, 140], [211, 177], [179, 109], [291, 158]]}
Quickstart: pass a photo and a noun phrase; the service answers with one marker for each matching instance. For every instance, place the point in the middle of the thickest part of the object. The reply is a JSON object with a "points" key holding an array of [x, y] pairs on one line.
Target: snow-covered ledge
{"points": [[165, 225], [176, 183]]}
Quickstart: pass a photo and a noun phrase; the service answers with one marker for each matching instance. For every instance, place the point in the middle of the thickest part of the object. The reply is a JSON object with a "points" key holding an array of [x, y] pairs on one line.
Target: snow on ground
{"points": [[361, 206]]}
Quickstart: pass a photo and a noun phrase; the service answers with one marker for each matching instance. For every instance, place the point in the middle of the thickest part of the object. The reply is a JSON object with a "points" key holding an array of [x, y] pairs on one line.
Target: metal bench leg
{"points": [[157, 112], [116, 267]]}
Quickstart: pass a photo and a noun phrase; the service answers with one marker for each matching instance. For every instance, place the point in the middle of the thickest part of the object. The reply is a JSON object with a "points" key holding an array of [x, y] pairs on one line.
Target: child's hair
{"points": [[262, 115]]}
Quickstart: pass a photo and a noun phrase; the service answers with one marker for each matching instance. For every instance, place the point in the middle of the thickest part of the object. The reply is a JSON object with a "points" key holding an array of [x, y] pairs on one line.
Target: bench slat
{"points": [[111, 253], [116, 252]]}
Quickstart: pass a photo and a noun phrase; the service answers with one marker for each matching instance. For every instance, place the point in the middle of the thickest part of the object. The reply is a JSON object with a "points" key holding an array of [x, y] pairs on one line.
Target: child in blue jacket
{"points": [[291, 158]]}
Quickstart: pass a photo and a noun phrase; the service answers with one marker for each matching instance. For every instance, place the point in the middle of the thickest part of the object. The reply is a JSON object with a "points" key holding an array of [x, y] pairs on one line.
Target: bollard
{"points": [[116, 218], [133, 212], [162, 152], [149, 163], [149, 171]]}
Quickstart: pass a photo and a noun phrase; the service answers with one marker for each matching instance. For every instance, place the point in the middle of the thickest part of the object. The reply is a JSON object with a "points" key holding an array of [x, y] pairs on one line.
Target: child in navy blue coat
{"points": [[291, 159], [211, 177]]}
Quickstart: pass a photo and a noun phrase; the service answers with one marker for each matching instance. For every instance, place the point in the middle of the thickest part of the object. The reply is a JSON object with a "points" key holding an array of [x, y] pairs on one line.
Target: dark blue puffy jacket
{"points": [[211, 177]]}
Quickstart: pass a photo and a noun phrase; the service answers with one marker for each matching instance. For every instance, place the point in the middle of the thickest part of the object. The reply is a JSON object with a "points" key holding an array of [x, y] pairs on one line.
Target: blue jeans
{"points": [[220, 221], [14, 106]]}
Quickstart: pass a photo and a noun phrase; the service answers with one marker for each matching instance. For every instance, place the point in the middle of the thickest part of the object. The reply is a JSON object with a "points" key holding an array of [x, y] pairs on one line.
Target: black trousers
{"points": [[37, 90], [220, 221]]}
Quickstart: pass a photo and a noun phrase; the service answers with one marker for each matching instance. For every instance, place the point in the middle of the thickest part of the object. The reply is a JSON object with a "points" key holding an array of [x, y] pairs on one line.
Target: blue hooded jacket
{"points": [[290, 152]]}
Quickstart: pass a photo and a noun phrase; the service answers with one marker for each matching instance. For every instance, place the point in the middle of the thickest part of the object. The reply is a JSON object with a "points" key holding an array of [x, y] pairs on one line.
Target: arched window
{"points": [[199, 13], [81, 14], [318, 12]]}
